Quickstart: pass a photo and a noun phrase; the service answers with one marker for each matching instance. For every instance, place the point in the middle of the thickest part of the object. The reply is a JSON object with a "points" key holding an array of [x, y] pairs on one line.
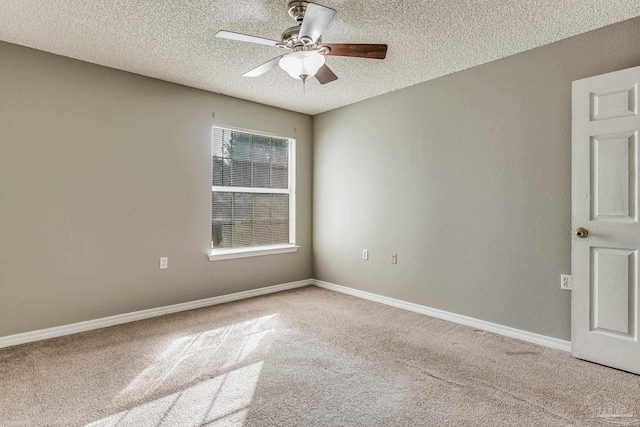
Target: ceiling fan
{"points": [[306, 53]]}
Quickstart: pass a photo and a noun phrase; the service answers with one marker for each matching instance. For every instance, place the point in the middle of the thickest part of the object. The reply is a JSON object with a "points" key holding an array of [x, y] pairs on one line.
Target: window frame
{"points": [[251, 251]]}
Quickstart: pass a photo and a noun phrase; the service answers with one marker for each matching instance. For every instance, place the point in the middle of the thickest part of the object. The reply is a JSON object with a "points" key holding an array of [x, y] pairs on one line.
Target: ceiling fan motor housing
{"points": [[297, 10], [291, 39]]}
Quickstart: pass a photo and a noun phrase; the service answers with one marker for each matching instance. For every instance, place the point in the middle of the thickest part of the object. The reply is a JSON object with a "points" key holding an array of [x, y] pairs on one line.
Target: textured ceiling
{"points": [[173, 39]]}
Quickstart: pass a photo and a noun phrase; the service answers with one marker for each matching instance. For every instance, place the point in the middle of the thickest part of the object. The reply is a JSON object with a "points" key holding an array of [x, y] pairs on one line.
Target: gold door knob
{"points": [[582, 232]]}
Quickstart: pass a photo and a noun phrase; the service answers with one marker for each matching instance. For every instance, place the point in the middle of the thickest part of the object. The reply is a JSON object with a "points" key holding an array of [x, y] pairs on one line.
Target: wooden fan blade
{"points": [[230, 35], [325, 75], [261, 69], [316, 19], [371, 51]]}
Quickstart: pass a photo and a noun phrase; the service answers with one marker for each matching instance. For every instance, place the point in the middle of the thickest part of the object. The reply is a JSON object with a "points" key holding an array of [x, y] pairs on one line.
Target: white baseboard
{"points": [[104, 322], [74, 328], [542, 340]]}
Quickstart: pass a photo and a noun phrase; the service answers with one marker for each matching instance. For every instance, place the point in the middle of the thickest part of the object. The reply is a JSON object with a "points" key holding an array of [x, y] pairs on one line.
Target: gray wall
{"points": [[468, 179], [101, 173]]}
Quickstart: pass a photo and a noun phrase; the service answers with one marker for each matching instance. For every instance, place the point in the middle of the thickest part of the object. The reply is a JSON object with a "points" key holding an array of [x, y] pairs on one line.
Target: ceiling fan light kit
{"points": [[302, 63], [306, 53]]}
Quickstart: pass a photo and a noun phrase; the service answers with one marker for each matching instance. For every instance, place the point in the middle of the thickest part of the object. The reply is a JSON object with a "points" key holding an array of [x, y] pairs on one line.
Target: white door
{"points": [[606, 233]]}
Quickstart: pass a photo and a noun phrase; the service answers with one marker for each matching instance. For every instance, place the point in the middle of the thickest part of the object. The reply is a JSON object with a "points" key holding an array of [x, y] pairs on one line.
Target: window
{"points": [[252, 194]]}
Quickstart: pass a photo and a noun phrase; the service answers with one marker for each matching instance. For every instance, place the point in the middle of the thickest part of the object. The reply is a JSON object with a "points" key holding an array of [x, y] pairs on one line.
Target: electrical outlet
{"points": [[164, 263], [565, 282], [394, 258], [365, 254]]}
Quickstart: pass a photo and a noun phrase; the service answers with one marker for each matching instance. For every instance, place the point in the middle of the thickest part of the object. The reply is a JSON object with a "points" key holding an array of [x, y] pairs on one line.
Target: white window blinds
{"points": [[251, 190]]}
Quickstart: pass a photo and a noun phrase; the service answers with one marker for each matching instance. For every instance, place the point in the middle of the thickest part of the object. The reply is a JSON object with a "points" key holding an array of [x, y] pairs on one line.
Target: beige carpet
{"points": [[307, 357]]}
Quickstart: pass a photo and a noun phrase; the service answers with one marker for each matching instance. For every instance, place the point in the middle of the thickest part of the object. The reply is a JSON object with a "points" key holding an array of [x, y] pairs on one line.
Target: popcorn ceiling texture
{"points": [[174, 40]]}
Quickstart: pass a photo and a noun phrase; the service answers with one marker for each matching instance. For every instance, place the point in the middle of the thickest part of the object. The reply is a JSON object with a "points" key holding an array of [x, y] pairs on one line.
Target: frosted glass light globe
{"points": [[301, 63]]}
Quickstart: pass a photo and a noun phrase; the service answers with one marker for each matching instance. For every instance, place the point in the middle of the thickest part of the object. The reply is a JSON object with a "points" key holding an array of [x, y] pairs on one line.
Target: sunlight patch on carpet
{"points": [[220, 401], [190, 358]]}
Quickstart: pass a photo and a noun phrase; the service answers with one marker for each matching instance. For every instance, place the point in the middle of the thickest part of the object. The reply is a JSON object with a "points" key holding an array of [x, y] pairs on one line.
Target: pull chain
{"points": [[304, 82]]}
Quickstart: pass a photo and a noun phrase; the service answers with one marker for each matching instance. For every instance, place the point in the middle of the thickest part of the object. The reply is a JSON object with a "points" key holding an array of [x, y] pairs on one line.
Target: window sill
{"points": [[222, 254]]}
